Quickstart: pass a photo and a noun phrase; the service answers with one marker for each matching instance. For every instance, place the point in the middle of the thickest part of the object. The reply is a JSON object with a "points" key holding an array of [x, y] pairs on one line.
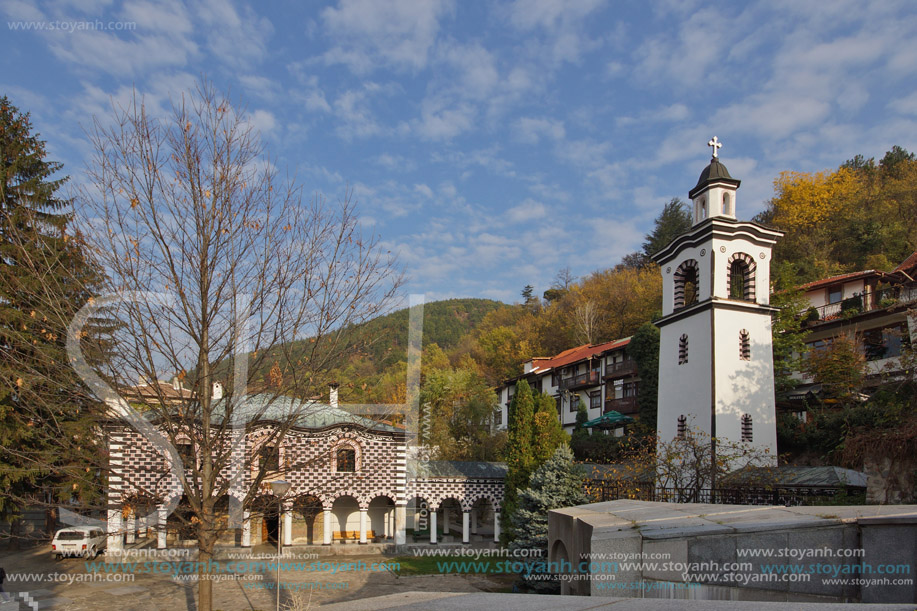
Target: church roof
{"points": [[308, 414], [714, 172]]}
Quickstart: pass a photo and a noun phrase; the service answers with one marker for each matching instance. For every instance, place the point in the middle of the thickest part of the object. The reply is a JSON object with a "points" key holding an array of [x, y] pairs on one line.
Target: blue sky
{"points": [[492, 143]]}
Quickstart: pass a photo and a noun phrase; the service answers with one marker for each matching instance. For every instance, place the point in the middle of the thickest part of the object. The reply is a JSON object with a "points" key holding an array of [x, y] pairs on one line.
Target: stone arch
{"points": [[560, 557], [687, 283], [265, 518], [310, 509], [418, 513], [345, 517], [451, 508], [741, 268], [381, 516]]}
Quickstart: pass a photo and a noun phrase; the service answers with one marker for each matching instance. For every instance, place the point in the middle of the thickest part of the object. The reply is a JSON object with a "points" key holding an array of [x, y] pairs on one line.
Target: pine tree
{"points": [[580, 432], [520, 460], [557, 483], [47, 451], [547, 433]]}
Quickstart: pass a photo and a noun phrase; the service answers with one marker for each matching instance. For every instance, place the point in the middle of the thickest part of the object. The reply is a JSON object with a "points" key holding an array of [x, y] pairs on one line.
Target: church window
{"points": [[270, 458], [686, 284], [682, 426], [746, 428], [703, 209], [683, 349], [727, 208], [740, 282], [744, 345], [346, 460]]}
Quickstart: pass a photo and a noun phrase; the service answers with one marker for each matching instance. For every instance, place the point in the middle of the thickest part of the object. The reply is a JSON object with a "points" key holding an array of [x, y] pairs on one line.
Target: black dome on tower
{"points": [[714, 172]]}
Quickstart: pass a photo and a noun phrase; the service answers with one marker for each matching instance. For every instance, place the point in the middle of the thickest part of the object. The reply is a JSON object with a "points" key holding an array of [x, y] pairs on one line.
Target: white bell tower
{"points": [[716, 370]]}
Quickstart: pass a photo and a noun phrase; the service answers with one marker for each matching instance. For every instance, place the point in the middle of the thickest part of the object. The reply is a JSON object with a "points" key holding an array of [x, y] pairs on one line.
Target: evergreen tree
{"points": [[674, 220], [520, 459], [555, 484], [47, 450], [580, 432], [644, 349], [547, 433]]}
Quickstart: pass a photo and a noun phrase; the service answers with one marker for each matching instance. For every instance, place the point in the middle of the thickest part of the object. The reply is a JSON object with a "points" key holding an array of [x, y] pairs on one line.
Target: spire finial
{"points": [[715, 144]]}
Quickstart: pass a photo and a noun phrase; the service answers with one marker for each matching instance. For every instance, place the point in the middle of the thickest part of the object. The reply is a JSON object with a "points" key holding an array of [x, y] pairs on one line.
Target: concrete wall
{"points": [[729, 552]]}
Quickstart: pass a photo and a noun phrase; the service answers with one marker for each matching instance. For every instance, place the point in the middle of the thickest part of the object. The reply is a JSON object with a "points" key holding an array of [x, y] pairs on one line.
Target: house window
{"points": [[346, 460], [682, 430], [595, 399], [629, 389], [746, 428], [683, 349], [686, 284], [835, 294], [884, 343], [574, 401], [741, 279], [270, 458], [186, 454], [536, 385], [744, 346]]}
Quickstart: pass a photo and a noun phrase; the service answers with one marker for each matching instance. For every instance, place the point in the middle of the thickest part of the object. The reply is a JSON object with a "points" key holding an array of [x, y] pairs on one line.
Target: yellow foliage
{"points": [[804, 199]]}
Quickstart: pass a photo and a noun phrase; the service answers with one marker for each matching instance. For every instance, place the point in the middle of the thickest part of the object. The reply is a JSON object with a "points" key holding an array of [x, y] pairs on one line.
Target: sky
{"points": [[490, 144]]}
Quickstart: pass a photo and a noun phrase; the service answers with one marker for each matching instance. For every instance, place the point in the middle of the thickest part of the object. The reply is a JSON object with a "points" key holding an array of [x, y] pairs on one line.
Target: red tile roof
{"points": [[574, 355], [841, 278], [908, 264]]}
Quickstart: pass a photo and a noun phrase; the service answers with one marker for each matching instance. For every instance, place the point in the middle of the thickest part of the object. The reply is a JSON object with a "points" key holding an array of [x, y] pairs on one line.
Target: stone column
{"points": [[363, 517], [288, 527], [246, 528], [466, 522], [401, 520], [496, 526], [115, 536], [326, 530], [432, 527], [131, 531], [161, 519]]}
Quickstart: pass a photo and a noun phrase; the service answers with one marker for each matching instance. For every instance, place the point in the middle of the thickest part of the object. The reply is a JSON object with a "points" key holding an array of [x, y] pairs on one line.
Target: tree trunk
{"points": [[205, 544]]}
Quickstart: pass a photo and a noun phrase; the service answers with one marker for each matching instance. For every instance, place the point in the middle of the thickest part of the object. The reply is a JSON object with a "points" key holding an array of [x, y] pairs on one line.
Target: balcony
{"points": [[584, 380], [625, 368], [624, 405], [858, 304]]}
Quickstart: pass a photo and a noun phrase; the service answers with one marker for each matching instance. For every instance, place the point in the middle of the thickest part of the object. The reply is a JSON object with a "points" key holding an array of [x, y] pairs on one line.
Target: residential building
{"points": [[873, 307], [602, 376]]}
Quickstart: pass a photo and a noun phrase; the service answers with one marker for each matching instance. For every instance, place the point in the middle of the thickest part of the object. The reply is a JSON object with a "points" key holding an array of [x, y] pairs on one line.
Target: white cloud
{"points": [[528, 210], [531, 129], [424, 190], [399, 33]]}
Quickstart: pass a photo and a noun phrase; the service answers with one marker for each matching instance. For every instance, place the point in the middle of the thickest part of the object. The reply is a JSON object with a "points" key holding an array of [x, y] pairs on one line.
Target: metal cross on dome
{"points": [[716, 144]]}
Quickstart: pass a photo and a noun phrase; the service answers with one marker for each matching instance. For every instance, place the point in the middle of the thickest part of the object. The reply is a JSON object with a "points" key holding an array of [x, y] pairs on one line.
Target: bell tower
{"points": [[716, 370]]}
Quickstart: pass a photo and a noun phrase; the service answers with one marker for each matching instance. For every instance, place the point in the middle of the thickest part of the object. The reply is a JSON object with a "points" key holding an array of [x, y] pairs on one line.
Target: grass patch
{"points": [[444, 565]]}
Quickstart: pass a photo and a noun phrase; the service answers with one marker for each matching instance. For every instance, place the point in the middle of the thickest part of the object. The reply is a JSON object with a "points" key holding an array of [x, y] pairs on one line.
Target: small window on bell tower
{"points": [[727, 205]]}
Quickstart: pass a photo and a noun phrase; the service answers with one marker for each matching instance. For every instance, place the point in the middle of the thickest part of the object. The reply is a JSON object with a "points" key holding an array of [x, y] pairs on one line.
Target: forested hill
{"points": [[445, 323]]}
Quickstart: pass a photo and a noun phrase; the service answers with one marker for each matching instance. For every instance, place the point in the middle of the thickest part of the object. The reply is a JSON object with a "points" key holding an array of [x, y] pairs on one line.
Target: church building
{"points": [[716, 371]]}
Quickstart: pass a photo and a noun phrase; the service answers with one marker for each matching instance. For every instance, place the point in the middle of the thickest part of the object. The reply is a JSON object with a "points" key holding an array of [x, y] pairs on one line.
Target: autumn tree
{"points": [[214, 260], [674, 220]]}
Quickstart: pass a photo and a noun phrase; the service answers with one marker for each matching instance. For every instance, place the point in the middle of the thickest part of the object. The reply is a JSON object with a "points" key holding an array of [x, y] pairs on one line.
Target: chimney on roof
{"points": [[333, 394], [176, 384], [217, 391], [528, 366]]}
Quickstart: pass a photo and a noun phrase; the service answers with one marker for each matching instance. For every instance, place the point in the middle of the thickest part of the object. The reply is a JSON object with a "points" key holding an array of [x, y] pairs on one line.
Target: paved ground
{"points": [[72, 592]]}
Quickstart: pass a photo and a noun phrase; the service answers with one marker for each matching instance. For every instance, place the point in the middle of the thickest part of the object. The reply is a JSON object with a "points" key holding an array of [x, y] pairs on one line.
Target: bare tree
{"points": [[221, 272], [586, 319]]}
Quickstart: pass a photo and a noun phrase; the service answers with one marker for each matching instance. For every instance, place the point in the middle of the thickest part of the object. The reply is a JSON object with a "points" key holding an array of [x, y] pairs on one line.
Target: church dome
{"points": [[714, 172]]}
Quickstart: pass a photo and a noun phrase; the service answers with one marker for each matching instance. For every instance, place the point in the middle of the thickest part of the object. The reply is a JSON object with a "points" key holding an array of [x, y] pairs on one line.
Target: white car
{"points": [[85, 541]]}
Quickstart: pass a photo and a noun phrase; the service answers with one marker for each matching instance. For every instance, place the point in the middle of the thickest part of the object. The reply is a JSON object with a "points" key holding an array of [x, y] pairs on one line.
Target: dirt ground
{"points": [[33, 575]]}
